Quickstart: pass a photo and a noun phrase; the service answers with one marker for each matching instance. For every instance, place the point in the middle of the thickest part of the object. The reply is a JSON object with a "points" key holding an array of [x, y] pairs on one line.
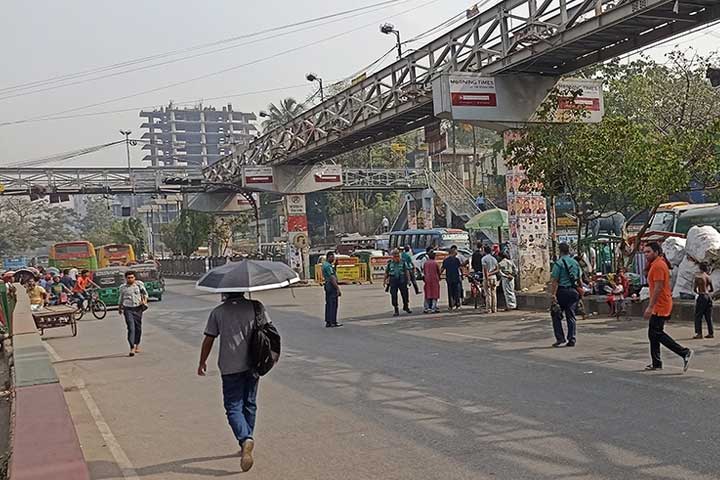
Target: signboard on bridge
{"points": [[507, 100], [254, 176]]}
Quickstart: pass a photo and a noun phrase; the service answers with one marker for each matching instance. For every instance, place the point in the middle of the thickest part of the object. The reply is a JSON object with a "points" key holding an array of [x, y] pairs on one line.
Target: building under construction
{"points": [[197, 136]]}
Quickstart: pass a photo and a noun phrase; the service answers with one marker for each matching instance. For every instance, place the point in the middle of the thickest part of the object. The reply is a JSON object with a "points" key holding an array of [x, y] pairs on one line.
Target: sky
{"points": [[45, 38]]}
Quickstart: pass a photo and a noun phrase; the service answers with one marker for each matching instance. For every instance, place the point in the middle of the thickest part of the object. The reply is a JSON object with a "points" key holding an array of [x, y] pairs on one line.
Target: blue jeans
{"points": [[133, 321], [567, 299], [331, 304], [240, 400]]}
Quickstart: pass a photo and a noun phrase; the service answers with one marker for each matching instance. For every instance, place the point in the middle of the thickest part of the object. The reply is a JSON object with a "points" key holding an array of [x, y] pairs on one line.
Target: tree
{"points": [[281, 114], [131, 231], [650, 145], [27, 225], [95, 225], [184, 235]]}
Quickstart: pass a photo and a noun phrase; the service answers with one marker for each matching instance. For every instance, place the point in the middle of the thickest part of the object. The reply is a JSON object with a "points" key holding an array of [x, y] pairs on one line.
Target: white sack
{"points": [[674, 250], [685, 277], [700, 240]]}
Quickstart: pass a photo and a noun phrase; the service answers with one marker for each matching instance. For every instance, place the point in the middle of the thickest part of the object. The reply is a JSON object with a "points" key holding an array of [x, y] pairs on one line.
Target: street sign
{"points": [[258, 175]]}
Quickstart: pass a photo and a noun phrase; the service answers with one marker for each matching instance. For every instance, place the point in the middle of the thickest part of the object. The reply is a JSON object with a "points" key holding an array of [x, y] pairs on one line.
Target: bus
{"points": [[79, 254], [440, 238], [115, 255]]}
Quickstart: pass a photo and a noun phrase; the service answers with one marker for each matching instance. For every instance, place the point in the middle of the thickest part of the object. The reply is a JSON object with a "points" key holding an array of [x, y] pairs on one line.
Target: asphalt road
{"points": [[449, 396]]}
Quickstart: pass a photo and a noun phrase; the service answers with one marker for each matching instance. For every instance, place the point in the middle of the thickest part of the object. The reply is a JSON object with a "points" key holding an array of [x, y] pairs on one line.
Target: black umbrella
{"points": [[247, 276]]}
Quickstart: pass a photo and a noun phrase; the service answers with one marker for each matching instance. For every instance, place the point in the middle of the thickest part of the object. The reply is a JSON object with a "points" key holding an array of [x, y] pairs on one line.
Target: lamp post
{"points": [[311, 77], [387, 29], [127, 133]]}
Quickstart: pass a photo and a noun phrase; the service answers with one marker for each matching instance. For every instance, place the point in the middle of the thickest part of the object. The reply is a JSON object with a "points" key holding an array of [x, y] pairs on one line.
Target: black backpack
{"points": [[264, 346]]}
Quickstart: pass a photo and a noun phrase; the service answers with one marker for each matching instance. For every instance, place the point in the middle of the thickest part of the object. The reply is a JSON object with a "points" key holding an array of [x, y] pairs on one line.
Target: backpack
{"points": [[264, 346]]}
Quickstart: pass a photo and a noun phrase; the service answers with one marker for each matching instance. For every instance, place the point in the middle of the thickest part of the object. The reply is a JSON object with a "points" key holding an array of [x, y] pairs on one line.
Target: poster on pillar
{"points": [[296, 213], [412, 217], [527, 218], [297, 234]]}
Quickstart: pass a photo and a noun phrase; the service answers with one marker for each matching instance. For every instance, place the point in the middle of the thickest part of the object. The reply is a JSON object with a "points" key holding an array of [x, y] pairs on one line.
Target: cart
{"points": [[55, 316]]}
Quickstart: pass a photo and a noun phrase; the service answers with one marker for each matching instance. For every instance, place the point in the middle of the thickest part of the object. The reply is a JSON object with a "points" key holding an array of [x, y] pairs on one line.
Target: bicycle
{"points": [[476, 291], [92, 304]]}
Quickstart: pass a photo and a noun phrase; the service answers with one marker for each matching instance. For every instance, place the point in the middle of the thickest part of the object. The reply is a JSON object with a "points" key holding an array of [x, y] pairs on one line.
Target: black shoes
{"points": [[397, 313], [686, 360], [570, 344], [407, 310], [558, 344], [333, 325], [651, 368]]}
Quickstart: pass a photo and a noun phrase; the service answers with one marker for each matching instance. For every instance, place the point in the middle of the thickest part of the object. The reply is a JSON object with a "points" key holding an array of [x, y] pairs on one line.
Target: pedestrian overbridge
{"points": [[540, 37]]}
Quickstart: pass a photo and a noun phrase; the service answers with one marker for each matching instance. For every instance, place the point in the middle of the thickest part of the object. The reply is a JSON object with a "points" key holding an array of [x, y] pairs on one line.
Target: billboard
{"points": [[514, 99]]}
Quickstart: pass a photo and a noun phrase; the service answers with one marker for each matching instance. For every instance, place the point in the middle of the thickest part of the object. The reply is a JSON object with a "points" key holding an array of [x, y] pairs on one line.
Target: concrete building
{"points": [[197, 136]]}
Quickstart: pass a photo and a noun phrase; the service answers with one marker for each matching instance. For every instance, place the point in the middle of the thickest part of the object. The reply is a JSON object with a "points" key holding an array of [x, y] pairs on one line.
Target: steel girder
{"points": [[169, 180], [550, 37]]}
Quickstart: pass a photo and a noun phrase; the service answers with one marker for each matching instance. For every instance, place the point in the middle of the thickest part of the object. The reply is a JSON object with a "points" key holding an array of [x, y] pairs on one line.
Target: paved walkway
{"points": [[449, 396]]}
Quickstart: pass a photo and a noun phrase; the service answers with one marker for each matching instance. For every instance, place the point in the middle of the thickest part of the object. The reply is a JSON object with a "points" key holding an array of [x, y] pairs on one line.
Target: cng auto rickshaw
{"points": [[109, 280], [149, 274]]}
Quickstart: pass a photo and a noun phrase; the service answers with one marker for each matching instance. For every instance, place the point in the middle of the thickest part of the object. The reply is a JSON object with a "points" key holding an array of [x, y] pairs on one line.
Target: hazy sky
{"points": [[45, 38]]}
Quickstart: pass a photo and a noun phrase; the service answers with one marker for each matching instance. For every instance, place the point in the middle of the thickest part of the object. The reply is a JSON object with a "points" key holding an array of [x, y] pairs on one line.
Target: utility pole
{"points": [[130, 179]]}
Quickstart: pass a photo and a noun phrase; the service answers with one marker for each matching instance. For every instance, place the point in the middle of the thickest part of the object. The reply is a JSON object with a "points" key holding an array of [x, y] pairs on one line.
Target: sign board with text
{"points": [[514, 99]]}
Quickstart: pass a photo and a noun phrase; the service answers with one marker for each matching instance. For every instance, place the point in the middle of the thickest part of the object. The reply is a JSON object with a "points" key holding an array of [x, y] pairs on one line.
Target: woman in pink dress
{"points": [[431, 275]]}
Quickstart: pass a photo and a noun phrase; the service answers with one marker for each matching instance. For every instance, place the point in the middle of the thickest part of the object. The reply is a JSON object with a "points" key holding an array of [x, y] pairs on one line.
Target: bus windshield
{"points": [[662, 222]]}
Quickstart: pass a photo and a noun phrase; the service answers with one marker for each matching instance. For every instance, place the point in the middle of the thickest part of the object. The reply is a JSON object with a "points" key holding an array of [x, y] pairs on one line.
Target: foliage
{"points": [[651, 144], [26, 224], [95, 225], [281, 114], [184, 235], [130, 231]]}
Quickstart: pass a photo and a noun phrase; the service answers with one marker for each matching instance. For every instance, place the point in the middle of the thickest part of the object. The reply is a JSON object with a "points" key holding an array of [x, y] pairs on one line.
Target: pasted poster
{"points": [[528, 225]]}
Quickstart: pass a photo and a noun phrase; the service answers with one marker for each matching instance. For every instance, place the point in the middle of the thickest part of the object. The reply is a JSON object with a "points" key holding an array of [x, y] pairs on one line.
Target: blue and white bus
{"points": [[440, 238]]}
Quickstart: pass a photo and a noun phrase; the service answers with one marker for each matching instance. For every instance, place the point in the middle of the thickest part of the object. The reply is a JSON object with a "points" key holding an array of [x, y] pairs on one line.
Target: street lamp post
{"points": [[311, 77], [130, 179], [387, 29]]}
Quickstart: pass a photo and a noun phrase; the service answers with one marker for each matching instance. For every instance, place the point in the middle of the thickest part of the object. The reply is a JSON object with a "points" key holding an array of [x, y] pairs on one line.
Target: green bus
{"points": [[79, 254]]}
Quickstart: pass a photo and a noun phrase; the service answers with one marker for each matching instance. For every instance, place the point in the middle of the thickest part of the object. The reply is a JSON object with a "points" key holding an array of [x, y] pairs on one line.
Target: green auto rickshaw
{"points": [[109, 280], [149, 274]]}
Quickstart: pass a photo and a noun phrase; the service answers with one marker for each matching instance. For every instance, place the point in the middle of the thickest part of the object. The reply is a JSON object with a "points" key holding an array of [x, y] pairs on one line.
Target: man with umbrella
{"points": [[234, 323], [332, 291]]}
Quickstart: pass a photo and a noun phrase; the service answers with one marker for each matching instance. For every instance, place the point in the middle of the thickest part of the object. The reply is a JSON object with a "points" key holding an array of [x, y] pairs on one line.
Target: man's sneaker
{"points": [[709, 335], [407, 310], [558, 344], [698, 337], [570, 344], [652, 367], [336, 325], [686, 360], [396, 314], [246, 458]]}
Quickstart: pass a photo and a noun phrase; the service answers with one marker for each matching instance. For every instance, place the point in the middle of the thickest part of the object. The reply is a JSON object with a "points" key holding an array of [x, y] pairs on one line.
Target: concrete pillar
{"points": [[448, 216], [173, 139], [428, 207], [203, 139], [527, 216], [298, 237]]}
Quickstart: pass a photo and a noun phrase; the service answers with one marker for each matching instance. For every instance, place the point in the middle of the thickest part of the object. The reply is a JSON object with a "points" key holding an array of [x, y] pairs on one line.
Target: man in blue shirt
{"points": [[565, 276], [332, 291], [451, 266]]}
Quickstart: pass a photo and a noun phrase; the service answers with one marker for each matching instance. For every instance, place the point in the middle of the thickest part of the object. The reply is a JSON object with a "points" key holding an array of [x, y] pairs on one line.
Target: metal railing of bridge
{"points": [[549, 37]]}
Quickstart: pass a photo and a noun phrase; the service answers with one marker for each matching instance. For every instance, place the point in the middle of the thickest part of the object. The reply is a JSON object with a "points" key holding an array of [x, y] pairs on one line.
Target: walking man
{"points": [[565, 275], [397, 279], [703, 304], [490, 271], [451, 267], [332, 291], [132, 303], [406, 257], [660, 308], [233, 322]]}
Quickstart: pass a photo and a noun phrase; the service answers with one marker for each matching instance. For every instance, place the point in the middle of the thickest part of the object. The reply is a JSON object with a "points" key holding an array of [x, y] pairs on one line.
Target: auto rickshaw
{"points": [[149, 274], [109, 280]]}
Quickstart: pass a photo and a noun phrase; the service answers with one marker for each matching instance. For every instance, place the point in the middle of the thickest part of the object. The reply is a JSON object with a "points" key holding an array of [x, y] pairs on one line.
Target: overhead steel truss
{"points": [[168, 180], [547, 37]]}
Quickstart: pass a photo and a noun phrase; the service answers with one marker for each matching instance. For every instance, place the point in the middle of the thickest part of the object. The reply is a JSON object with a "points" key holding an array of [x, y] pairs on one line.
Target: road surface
{"points": [[450, 396]]}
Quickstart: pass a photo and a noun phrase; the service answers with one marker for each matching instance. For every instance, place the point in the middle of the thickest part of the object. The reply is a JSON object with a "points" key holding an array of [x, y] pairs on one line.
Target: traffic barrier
{"points": [[378, 265], [44, 442], [350, 273]]}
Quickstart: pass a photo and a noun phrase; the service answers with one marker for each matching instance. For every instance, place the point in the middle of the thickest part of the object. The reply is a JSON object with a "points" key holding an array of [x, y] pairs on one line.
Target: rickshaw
{"points": [[149, 274], [109, 280]]}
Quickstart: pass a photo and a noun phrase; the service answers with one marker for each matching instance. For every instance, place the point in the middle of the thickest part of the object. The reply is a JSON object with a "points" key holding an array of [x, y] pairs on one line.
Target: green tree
{"points": [[278, 115], [29, 224], [131, 231], [95, 225], [184, 235]]}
